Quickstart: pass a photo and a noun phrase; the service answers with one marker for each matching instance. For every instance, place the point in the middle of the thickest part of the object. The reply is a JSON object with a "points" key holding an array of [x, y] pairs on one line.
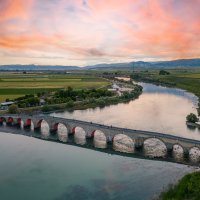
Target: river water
{"points": [[38, 169], [158, 109]]}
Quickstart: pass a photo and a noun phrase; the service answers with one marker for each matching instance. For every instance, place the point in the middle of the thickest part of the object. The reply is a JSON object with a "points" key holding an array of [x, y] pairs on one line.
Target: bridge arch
{"points": [[79, 135], [10, 121], [154, 147], [19, 122], [99, 139], [44, 128], [178, 152], [194, 154], [62, 131], [2, 120], [28, 124], [123, 143]]}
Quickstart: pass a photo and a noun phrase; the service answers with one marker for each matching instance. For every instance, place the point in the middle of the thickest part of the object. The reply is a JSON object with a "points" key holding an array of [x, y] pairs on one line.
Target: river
{"points": [[38, 169], [159, 109]]}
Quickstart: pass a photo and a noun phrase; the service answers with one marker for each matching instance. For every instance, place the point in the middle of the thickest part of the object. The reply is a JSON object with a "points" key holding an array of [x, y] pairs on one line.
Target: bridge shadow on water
{"points": [[138, 153]]}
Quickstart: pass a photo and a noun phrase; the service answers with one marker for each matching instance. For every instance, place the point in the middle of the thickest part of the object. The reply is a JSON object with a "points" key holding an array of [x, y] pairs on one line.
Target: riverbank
{"points": [[188, 81], [89, 103], [187, 188]]}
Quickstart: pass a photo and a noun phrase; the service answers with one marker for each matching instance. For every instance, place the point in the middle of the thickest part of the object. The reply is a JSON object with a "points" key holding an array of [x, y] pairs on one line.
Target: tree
{"points": [[163, 72], [192, 118], [13, 109]]}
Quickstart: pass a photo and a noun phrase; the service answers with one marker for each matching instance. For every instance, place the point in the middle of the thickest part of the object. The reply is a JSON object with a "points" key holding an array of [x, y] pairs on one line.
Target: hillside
{"points": [[181, 63]]}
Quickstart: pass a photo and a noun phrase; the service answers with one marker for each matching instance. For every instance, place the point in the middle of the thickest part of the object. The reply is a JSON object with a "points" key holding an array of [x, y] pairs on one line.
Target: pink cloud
{"points": [[101, 31]]}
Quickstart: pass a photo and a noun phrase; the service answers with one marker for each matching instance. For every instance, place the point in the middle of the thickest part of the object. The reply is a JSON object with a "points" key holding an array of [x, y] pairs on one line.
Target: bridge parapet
{"points": [[110, 132]]}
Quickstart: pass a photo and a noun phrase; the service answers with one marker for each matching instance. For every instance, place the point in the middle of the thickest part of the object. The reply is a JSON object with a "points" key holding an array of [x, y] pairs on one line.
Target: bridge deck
{"points": [[139, 133]]}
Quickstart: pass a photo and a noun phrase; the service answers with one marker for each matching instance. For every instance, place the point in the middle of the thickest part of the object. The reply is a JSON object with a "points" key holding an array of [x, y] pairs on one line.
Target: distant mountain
{"points": [[37, 68], [110, 66], [178, 63], [181, 63]]}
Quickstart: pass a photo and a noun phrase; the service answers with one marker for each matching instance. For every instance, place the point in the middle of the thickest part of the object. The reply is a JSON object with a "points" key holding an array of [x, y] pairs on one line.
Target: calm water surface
{"points": [[36, 169], [159, 109]]}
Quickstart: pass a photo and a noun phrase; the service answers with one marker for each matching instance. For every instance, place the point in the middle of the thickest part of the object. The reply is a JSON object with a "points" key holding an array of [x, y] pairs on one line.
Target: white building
{"points": [[5, 105]]}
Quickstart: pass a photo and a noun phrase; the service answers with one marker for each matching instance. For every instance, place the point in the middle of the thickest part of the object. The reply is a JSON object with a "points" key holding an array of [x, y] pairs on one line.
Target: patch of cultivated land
{"points": [[13, 85], [185, 79]]}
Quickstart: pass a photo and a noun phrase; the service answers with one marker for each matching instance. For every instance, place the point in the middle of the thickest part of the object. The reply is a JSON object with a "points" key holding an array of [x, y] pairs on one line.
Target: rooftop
{"points": [[7, 103]]}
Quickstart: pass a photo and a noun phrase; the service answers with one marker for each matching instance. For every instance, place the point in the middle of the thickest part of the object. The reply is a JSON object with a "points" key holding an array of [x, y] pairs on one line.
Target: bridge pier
{"points": [[110, 132]]}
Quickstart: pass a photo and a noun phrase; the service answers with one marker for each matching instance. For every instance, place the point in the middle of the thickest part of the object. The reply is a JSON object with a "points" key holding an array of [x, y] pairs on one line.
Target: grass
{"points": [[14, 85], [188, 188], [184, 79]]}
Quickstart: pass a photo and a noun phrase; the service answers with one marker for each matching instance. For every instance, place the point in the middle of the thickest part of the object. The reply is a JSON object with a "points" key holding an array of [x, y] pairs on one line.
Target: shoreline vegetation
{"points": [[71, 100], [188, 81], [189, 186], [186, 188]]}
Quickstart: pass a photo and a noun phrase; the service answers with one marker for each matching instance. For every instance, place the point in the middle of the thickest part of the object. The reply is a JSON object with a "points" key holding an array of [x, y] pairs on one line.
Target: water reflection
{"points": [[123, 143], [100, 140], [178, 152], [150, 88], [154, 147], [76, 173], [79, 136], [194, 154], [158, 109], [22, 124], [32, 126], [44, 129], [62, 132]]}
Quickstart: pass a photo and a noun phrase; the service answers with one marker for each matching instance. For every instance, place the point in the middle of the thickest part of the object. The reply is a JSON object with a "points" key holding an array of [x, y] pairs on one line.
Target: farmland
{"points": [[185, 79], [13, 85]]}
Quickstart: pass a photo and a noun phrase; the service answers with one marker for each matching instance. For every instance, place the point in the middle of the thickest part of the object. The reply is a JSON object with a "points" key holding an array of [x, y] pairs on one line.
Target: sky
{"points": [[87, 32]]}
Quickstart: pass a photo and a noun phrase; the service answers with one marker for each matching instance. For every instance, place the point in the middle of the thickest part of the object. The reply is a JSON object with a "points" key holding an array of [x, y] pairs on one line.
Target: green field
{"points": [[13, 85], [185, 79]]}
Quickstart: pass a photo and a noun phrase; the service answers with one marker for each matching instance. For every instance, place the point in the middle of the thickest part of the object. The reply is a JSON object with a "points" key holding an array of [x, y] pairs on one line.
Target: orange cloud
{"points": [[11, 9], [101, 30]]}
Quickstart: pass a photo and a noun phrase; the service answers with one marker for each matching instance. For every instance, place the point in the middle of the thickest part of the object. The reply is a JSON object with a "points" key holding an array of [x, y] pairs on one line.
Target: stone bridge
{"points": [[125, 140]]}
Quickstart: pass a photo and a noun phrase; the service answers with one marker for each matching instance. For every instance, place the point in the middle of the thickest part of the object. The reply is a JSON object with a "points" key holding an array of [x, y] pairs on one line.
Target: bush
{"points": [[13, 109], [192, 118], [163, 72], [46, 108], [70, 104], [187, 188]]}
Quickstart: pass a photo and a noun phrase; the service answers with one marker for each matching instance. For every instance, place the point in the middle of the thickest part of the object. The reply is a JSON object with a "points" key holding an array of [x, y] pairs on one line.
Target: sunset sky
{"points": [[85, 32]]}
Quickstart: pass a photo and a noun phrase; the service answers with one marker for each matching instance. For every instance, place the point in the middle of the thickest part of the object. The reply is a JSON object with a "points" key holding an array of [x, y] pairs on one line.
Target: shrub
{"points": [[192, 118], [46, 108], [13, 109]]}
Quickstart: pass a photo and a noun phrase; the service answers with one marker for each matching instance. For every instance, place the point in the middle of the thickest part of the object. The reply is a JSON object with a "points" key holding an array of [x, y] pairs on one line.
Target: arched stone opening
{"points": [[99, 139], [10, 121], [43, 126], [54, 128], [194, 154], [178, 152], [19, 122], [79, 135], [39, 123], [2, 120], [62, 132], [28, 124], [154, 147], [123, 143]]}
